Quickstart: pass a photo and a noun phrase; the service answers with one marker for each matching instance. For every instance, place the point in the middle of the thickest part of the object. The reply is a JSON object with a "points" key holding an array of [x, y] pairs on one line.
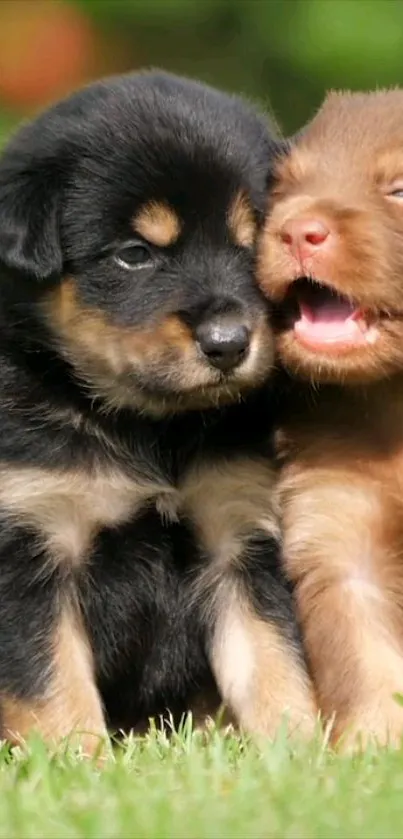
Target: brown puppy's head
{"points": [[331, 255]]}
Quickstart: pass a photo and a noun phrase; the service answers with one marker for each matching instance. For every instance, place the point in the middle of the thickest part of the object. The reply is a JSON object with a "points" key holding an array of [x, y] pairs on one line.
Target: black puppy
{"points": [[129, 321]]}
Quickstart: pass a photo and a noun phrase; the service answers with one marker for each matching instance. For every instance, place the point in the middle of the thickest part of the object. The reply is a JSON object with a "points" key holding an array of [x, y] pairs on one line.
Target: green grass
{"points": [[186, 787]]}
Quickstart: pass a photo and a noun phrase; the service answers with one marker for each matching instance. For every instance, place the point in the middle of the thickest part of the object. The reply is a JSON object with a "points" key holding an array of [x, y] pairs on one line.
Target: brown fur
{"points": [[341, 172], [241, 221], [71, 707], [157, 223], [342, 444]]}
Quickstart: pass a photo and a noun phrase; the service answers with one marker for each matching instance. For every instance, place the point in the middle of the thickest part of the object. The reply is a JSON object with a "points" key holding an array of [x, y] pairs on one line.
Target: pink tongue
{"points": [[331, 321]]}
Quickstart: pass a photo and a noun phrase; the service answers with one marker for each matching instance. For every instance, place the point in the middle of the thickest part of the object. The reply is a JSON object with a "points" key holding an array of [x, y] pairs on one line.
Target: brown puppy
{"points": [[332, 261]]}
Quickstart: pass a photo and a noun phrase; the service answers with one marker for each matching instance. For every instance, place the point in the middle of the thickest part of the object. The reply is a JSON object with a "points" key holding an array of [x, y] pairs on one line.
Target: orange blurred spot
{"points": [[46, 49]]}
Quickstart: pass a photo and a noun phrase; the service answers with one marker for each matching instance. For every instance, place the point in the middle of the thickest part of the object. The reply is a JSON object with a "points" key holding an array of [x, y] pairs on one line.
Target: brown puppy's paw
{"points": [[379, 726]]}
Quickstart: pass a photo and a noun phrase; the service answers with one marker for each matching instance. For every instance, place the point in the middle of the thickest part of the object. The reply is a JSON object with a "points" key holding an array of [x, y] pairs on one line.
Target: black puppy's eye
{"points": [[134, 256]]}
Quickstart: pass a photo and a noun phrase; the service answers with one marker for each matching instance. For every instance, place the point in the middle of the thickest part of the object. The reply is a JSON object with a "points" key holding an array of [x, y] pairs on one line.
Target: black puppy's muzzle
{"points": [[224, 342]]}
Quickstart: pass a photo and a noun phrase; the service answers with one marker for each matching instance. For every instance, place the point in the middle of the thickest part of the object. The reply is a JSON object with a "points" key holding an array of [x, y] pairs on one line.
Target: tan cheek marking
{"points": [[71, 706], [89, 333], [82, 329], [157, 223], [241, 221], [169, 334]]}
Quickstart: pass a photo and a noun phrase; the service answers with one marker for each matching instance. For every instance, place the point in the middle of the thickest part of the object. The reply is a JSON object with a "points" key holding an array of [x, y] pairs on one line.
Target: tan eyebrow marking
{"points": [[241, 221], [158, 223]]}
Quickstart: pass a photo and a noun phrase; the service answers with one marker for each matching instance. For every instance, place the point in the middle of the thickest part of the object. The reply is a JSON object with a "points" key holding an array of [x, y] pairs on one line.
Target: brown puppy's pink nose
{"points": [[304, 236]]}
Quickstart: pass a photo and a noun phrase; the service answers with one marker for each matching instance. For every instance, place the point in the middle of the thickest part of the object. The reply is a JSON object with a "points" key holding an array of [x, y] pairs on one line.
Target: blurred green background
{"points": [[282, 53]]}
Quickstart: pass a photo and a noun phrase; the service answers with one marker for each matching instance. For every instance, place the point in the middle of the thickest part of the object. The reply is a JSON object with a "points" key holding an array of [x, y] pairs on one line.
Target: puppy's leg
{"points": [[46, 672], [254, 648], [339, 554], [257, 663], [69, 706]]}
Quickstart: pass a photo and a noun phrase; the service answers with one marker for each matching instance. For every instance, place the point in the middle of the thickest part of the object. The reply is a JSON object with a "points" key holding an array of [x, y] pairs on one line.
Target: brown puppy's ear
{"points": [[30, 202]]}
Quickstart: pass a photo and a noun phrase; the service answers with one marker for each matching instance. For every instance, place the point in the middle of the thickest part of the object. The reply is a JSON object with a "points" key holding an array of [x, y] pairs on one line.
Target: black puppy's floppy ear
{"points": [[30, 197]]}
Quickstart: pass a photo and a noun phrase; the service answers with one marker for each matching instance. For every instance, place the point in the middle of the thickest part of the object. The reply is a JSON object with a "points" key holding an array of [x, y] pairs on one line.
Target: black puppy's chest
{"points": [[93, 472], [88, 478], [135, 583], [149, 646]]}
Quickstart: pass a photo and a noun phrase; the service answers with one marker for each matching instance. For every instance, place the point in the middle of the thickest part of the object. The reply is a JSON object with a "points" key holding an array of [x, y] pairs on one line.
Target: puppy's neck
{"points": [[366, 417]]}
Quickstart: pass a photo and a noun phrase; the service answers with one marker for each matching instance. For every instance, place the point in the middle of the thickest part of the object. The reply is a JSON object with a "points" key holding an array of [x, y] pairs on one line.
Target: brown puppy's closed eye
{"points": [[332, 261]]}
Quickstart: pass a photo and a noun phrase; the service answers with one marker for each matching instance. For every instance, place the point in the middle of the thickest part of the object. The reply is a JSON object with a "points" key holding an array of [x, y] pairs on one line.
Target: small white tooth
{"points": [[362, 324]]}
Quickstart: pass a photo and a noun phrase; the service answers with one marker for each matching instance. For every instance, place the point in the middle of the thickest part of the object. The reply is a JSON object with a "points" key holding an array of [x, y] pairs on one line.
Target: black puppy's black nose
{"points": [[225, 345]]}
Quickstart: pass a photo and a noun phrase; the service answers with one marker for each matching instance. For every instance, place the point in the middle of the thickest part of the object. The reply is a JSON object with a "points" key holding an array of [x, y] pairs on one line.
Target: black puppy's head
{"points": [[129, 213]]}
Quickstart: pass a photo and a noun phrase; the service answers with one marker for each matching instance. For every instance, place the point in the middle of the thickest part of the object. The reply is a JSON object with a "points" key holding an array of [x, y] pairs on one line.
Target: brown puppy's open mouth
{"points": [[324, 320]]}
